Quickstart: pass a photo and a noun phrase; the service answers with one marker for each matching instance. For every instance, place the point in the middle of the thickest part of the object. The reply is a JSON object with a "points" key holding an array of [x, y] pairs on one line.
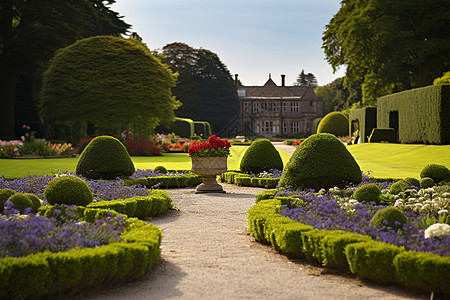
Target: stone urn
{"points": [[208, 168]]}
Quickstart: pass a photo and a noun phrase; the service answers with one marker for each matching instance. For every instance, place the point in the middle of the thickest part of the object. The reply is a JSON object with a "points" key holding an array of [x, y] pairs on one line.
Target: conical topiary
{"points": [[105, 157], [261, 156], [322, 161]]}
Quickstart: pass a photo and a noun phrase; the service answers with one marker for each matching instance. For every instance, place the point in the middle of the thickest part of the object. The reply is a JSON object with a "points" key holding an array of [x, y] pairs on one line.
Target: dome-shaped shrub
{"points": [[105, 157], [321, 161], [20, 201], [399, 186], [160, 169], [35, 201], [4, 195], [437, 172], [368, 192], [261, 156], [69, 190], [389, 216], [412, 181], [427, 182], [335, 123]]}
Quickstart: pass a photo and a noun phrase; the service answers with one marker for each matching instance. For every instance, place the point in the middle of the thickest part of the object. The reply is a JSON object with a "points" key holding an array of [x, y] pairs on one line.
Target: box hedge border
{"points": [[167, 181], [54, 275], [346, 251], [243, 179]]}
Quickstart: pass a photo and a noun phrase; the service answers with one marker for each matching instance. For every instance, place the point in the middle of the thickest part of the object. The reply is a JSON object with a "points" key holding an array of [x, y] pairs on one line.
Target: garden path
{"points": [[207, 253]]}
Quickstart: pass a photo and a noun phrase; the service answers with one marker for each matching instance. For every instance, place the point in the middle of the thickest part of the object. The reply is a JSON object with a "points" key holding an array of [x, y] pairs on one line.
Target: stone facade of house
{"points": [[272, 110]]}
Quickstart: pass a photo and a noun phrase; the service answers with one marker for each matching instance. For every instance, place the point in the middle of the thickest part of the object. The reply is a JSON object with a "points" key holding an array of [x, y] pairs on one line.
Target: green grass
{"points": [[15, 168]]}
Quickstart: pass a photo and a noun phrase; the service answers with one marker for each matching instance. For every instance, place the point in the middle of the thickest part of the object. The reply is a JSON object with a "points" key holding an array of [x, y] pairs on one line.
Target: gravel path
{"points": [[207, 253]]}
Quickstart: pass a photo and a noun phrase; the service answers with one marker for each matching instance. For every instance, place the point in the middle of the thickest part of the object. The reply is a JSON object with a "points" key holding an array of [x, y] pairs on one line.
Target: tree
{"points": [[108, 81], [445, 79], [389, 45], [306, 80], [30, 33], [205, 86]]}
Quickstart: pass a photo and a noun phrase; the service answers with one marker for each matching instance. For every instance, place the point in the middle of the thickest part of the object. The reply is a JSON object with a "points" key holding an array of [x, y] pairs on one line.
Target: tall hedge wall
{"points": [[423, 114], [367, 119]]}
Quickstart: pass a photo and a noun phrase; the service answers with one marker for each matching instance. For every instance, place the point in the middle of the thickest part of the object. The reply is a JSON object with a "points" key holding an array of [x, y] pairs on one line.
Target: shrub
{"points": [[105, 157], [321, 161], [412, 181], [383, 135], [261, 156], [437, 172], [35, 201], [335, 123], [68, 190], [4, 195], [389, 216], [160, 169], [20, 201], [368, 192], [427, 182], [399, 186]]}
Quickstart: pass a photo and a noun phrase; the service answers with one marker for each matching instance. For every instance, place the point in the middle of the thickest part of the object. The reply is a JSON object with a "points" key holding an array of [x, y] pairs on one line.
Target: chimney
{"points": [[236, 80], [283, 81]]}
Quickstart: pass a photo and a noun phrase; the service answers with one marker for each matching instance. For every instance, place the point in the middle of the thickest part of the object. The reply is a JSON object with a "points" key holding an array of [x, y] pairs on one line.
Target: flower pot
{"points": [[208, 168]]}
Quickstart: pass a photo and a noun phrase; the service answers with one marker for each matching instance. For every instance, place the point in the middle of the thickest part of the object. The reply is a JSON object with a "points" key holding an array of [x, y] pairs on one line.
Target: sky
{"points": [[251, 37]]}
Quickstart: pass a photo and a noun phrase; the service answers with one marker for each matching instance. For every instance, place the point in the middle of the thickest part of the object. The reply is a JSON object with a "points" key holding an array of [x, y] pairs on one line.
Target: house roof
{"points": [[271, 90]]}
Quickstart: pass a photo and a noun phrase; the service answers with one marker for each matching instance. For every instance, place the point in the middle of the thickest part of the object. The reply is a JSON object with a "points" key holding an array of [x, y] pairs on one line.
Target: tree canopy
{"points": [[205, 86], [389, 45], [306, 80], [108, 81]]}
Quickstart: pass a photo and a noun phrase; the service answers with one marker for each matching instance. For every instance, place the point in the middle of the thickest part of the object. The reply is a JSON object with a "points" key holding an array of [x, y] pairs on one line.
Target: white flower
{"points": [[353, 201], [438, 230], [445, 195], [398, 202], [443, 211]]}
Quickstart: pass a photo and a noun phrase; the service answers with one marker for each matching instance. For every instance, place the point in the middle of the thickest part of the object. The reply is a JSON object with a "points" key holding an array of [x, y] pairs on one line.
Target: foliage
{"points": [[261, 156], [436, 172], [108, 81], [388, 45], [160, 169], [427, 182], [20, 202], [306, 80], [335, 123], [369, 192], [338, 97], [445, 79], [399, 186], [69, 190], [214, 147], [389, 216], [321, 161], [105, 157], [412, 181], [5, 193]]}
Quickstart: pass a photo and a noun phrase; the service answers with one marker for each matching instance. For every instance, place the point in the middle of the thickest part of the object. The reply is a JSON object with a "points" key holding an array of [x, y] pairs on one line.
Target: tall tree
{"points": [[306, 79], [389, 45], [32, 30], [205, 86]]}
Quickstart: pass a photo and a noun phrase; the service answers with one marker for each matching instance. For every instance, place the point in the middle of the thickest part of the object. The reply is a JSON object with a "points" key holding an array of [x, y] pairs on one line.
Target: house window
{"points": [[294, 127], [275, 107], [255, 107], [284, 106], [294, 106], [284, 127], [245, 106], [267, 127]]}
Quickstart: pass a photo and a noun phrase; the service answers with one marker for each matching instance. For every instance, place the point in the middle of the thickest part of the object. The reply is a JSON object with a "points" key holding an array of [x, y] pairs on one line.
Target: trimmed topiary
{"points": [[20, 201], [437, 172], [368, 192], [105, 157], [261, 156], [35, 201], [160, 169], [427, 182], [69, 190], [399, 186], [412, 181], [335, 123], [4, 195], [389, 216], [321, 161]]}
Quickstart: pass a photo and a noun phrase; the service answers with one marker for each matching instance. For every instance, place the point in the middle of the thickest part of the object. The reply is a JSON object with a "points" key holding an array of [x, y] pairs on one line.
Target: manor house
{"points": [[272, 110]]}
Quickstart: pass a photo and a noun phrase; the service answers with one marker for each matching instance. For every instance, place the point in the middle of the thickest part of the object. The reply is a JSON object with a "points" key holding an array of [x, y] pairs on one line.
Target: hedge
{"points": [[52, 275], [383, 135], [242, 179], [423, 114], [346, 251], [367, 121], [165, 182]]}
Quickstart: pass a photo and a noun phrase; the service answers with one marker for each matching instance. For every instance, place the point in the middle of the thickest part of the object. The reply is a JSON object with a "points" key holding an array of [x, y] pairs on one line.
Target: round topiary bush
{"points": [[412, 181], [427, 182], [399, 186], [389, 216], [4, 195], [261, 156], [437, 172], [160, 169], [35, 201], [368, 192], [321, 161], [335, 123], [105, 157], [69, 190], [20, 201]]}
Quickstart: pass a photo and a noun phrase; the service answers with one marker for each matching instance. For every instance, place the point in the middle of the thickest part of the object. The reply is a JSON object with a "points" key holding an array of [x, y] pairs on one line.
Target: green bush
{"points": [[383, 135], [335, 123], [105, 157], [437, 172], [321, 161], [165, 182], [368, 192], [399, 186], [160, 169], [20, 201], [266, 195], [4, 195], [412, 181], [389, 216], [35, 201], [69, 190], [427, 182], [261, 156]]}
